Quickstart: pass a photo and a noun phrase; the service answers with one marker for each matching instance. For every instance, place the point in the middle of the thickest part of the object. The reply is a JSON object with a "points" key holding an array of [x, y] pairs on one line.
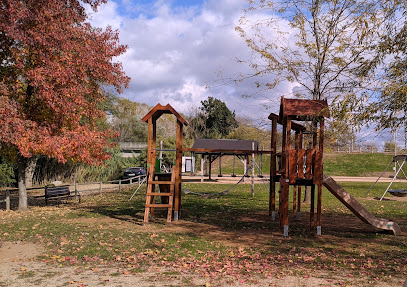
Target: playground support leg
{"points": [[295, 200], [272, 201], [299, 204], [311, 213], [319, 209], [284, 203]]}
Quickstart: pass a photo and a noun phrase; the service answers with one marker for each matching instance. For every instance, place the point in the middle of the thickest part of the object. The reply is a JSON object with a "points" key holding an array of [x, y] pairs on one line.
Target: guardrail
{"points": [[84, 187]]}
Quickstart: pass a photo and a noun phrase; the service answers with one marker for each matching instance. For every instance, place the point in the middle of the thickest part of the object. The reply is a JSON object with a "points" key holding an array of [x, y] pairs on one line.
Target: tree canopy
{"points": [[56, 70], [214, 120]]}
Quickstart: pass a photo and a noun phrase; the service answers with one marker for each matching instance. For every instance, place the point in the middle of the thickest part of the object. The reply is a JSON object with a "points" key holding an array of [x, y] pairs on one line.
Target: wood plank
{"points": [[292, 166], [159, 205], [308, 163], [161, 182], [318, 169], [159, 194], [300, 159]]}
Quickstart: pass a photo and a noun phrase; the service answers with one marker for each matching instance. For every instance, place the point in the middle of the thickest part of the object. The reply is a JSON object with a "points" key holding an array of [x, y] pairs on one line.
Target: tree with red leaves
{"points": [[56, 71]]}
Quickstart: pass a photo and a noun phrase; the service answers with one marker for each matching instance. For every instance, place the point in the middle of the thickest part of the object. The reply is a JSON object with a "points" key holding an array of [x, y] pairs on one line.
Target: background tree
{"points": [[325, 49], [215, 119], [6, 173], [247, 130], [55, 74], [126, 120], [322, 47]]}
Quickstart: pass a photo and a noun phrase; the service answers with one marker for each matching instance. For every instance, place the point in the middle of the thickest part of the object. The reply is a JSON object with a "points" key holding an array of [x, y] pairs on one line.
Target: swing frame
{"points": [[395, 192]]}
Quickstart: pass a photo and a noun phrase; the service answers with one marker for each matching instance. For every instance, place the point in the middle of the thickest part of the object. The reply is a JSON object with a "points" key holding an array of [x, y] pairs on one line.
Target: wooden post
{"points": [[273, 173], [234, 160], [202, 168], [297, 144], [210, 167], [100, 188], [312, 209], [253, 170], [220, 165], [300, 160], [284, 192], [120, 185], [320, 175], [178, 171]]}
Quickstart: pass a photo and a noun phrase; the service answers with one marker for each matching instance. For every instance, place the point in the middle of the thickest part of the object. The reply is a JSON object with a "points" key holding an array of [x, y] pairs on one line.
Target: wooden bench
{"points": [[59, 192]]}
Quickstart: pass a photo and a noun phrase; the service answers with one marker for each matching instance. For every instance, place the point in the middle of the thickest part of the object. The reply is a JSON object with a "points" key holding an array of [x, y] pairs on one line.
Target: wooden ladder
{"points": [[151, 194]]}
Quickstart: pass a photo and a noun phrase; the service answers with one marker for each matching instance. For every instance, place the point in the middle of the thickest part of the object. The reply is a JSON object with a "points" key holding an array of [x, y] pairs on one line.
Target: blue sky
{"points": [[183, 51]]}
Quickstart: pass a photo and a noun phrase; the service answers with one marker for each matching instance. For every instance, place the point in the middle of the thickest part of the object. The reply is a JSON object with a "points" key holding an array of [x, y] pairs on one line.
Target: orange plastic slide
{"points": [[361, 212]]}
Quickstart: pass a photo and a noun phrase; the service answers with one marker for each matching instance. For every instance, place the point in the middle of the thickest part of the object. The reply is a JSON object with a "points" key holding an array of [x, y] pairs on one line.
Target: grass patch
{"points": [[342, 164], [358, 164]]}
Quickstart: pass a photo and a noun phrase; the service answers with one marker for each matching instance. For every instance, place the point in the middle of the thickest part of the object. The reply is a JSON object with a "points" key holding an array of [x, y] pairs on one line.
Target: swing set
{"points": [[399, 161]]}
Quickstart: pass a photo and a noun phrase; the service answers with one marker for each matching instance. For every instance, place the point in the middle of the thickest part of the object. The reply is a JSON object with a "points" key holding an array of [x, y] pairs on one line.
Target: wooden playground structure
{"points": [[293, 163]]}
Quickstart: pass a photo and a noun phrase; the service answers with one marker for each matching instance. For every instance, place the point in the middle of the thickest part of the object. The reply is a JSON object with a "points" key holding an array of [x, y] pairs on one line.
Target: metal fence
{"points": [[364, 149]]}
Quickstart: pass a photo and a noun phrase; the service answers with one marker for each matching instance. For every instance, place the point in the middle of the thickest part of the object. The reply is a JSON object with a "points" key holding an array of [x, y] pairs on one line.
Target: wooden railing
{"points": [[82, 188]]}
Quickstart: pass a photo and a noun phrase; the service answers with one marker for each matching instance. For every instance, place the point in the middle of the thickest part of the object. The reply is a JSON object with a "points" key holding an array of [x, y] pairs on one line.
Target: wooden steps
{"points": [[168, 188]]}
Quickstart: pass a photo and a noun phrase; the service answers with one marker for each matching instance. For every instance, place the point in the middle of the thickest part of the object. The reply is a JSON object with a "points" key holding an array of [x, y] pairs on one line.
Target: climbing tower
{"points": [[297, 165], [169, 183]]}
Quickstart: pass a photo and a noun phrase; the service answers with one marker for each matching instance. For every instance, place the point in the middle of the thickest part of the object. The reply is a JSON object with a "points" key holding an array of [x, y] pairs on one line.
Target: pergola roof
{"points": [[159, 110], [225, 146], [300, 109]]}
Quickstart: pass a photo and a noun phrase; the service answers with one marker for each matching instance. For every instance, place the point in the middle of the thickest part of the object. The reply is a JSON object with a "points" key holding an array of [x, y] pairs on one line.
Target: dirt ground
{"points": [[20, 266]]}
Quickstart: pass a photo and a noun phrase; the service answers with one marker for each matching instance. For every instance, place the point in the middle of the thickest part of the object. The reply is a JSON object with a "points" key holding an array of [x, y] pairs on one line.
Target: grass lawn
{"points": [[221, 240], [342, 164]]}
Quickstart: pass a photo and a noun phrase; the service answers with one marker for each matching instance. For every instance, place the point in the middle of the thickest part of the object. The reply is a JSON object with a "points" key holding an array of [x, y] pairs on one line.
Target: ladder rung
{"points": [[160, 182], [158, 205], [160, 194]]}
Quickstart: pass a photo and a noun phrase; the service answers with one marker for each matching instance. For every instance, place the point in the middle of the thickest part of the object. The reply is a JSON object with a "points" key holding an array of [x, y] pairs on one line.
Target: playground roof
{"points": [[301, 110], [295, 126], [159, 110], [224, 146]]}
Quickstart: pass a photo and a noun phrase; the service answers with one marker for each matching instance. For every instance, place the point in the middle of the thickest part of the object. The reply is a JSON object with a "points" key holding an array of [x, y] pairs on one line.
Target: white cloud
{"points": [[175, 54]]}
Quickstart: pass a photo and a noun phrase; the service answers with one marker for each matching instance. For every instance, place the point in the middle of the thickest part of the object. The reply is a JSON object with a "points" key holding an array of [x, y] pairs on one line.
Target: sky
{"points": [[183, 51]]}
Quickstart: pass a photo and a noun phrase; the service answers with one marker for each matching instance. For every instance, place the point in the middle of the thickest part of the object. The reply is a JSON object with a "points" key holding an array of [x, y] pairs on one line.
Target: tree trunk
{"points": [[22, 191], [29, 171], [307, 195]]}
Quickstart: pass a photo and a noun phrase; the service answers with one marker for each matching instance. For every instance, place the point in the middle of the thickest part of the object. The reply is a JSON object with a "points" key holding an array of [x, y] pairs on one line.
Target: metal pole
{"points": [[394, 178], [7, 199]]}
